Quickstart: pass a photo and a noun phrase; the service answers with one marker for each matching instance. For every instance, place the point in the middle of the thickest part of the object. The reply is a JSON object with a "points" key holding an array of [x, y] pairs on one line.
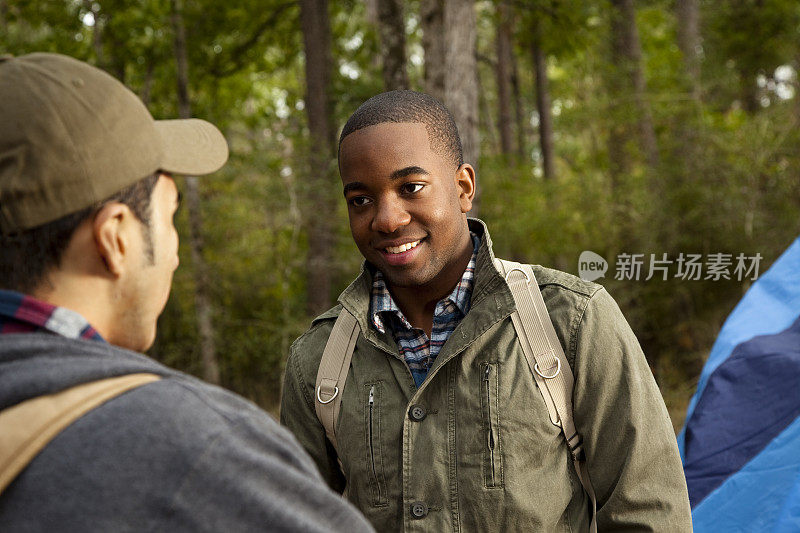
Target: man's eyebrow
{"points": [[396, 175], [408, 171], [353, 185]]}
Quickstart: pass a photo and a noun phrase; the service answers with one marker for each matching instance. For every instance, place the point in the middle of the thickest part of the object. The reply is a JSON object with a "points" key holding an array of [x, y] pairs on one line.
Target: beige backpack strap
{"points": [[332, 373], [547, 362], [30, 425]]}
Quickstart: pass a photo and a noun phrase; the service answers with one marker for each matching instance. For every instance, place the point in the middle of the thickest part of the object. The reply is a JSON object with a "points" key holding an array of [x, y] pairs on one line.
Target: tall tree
{"points": [[317, 43], [204, 309], [451, 66], [519, 112], [97, 35], [433, 45], [627, 78], [391, 27], [503, 50], [461, 82], [686, 134], [543, 105], [688, 29]]}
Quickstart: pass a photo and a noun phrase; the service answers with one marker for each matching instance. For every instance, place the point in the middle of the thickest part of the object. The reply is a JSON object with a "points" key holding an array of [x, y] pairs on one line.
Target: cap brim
{"points": [[192, 146]]}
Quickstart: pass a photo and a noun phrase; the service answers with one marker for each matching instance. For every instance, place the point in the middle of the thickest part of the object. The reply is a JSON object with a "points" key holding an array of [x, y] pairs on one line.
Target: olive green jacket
{"points": [[432, 469]]}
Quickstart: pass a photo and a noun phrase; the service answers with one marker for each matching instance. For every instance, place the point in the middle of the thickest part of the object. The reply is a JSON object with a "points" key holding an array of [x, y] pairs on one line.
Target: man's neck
{"points": [[419, 303]]}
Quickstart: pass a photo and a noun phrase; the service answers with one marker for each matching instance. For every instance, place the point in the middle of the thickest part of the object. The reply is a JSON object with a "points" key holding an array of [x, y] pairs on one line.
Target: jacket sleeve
{"points": [[249, 479], [630, 445], [299, 416]]}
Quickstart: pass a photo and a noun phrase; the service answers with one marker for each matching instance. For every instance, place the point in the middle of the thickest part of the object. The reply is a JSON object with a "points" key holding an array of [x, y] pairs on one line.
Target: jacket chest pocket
{"points": [[492, 456], [372, 396]]}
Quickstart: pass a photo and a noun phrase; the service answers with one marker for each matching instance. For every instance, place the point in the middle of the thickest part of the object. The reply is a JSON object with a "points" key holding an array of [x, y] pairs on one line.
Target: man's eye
{"points": [[411, 188], [359, 201]]}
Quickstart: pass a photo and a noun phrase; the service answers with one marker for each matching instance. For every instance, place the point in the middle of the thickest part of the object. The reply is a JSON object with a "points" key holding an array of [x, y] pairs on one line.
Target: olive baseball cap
{"points": [[72, 135]]}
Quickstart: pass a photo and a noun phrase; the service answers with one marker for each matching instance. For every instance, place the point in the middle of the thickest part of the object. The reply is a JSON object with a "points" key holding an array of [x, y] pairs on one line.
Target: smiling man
{"points": [[94, 436], [441, 425]]}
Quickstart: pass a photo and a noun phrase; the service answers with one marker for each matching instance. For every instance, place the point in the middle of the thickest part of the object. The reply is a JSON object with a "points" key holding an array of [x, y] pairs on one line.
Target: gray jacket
{"points": [[173, 455]]}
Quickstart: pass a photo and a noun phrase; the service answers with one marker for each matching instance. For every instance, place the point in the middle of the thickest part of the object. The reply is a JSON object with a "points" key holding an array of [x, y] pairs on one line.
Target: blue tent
{"points": [[741, 443]]}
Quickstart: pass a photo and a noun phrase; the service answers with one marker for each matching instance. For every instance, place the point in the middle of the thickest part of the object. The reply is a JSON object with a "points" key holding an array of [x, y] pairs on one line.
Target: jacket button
{"points": [[417, 413], [419, 510]]}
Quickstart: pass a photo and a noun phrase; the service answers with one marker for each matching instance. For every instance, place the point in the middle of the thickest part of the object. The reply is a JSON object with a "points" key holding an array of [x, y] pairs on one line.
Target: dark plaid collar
{"points": [[19, 313]]}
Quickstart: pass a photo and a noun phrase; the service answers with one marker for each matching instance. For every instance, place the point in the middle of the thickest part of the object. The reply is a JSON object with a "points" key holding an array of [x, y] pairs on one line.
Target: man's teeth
{"points": [[402, 248]]}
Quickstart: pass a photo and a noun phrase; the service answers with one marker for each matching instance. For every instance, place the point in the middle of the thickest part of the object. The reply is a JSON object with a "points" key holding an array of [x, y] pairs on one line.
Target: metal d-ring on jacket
{"points": [[473, 449]]}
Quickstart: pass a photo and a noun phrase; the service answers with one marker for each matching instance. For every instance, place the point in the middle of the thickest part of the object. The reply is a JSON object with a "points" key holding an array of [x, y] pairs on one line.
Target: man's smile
{"points": [[399, 252], [402, 248]]}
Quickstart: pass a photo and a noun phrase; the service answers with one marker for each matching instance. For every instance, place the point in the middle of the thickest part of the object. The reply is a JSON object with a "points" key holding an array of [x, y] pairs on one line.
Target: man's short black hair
{"points": [[410, 106], [27, 256]]}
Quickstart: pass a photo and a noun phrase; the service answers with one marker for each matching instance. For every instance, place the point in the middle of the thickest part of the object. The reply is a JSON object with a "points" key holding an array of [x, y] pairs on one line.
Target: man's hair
{"points": [[26, 257], [410, 106]]}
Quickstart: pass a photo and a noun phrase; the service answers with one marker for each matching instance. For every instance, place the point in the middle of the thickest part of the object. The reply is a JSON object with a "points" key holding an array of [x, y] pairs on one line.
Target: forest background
{"points": [[616, 126]]}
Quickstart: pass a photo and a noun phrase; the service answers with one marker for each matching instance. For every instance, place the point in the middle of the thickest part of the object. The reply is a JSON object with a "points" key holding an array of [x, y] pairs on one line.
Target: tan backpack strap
{"points": [[30, 425], [549, 365], [332, 373]]}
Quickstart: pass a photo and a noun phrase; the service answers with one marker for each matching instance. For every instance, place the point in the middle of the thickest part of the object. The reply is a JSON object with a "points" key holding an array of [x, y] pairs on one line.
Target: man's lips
{"points": [[400, 248], [399, 252]]}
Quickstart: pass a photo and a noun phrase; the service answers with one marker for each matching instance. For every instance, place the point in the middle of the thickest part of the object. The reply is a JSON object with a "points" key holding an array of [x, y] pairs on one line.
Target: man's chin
{"points": [[405, 280]]}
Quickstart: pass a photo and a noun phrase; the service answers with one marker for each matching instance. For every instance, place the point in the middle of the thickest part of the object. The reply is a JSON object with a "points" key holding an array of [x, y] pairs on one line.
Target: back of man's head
{"points": [[410, 106], [28, 255], [73, 140]]}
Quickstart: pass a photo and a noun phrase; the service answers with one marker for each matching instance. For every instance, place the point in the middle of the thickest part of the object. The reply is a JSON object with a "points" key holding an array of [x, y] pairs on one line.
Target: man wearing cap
{"points": [[94, 436]]}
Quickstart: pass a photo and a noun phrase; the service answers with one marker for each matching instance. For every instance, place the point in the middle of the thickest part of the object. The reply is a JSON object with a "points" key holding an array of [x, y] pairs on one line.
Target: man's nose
{"points": [[390, 216]]}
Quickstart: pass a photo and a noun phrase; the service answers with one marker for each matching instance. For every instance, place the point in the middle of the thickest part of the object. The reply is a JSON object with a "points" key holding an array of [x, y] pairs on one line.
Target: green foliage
{"points": [[745, 38], [726, 181]]}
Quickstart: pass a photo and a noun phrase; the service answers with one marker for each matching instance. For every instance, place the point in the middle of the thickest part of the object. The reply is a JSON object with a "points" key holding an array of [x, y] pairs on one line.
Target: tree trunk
{"points": [[748, 91], [393, 44], [461, 82], [485, 119], [796, 84], [433, 44], [147, 85], [688, 15], [687, 156], [543, 106], [449, 36], [97, 34], [519, 112], [371, 11], [626, 62], [317, 43], [205, 326], [503, 72]]}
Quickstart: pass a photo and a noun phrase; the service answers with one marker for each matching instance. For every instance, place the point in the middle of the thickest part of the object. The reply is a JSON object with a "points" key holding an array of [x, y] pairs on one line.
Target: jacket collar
{"points": [[491, 299]]}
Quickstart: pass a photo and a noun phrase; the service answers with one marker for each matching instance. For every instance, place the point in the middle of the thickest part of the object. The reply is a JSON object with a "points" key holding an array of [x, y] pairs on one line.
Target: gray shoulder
{"points": [[192, 403]]}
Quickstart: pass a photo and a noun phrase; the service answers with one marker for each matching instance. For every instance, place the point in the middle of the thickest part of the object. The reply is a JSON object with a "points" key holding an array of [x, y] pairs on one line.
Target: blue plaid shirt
{"points": [[416, 348]]}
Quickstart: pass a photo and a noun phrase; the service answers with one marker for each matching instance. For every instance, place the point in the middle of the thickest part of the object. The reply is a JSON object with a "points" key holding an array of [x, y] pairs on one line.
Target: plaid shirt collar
{"points": [[461, 296], [20, 313]]}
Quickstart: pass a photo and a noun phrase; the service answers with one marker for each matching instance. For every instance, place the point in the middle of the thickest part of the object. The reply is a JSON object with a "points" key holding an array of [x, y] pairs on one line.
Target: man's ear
{"points": [[465, 183], [110, 228]]}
